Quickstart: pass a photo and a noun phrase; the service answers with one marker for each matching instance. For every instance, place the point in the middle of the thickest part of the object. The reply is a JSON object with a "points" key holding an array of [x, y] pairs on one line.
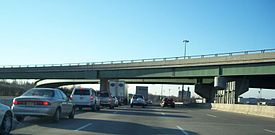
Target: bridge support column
{"points": [[104, 83], [205, 91], [229, 89]]}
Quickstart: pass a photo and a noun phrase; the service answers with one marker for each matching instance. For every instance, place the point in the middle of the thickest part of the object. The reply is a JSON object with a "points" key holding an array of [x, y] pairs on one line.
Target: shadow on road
{"points": [[160, 110], [109, 126], [112, 127], [144, 113], [20, 134]]}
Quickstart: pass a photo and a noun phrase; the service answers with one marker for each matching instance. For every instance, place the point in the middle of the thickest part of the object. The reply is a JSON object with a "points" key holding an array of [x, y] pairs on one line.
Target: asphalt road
{"points": [[151, 120]]}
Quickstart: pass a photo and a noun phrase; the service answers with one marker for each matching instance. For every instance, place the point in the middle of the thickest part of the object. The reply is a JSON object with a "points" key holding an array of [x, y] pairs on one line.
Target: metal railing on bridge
{"points": [[142, 60]]}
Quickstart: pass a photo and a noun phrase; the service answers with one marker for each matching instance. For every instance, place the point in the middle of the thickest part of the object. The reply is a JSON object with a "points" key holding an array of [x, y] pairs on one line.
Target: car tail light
{"points": [[92, 97], [15, 102], [45, 103]]}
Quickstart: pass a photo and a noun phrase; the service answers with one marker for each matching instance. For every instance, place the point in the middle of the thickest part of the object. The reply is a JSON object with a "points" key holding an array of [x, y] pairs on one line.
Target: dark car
{"points": [[167, 102], [138, 100]]}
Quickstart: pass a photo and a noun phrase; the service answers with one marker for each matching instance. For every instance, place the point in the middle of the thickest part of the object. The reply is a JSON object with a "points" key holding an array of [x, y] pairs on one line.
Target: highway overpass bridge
{"points": [[216, 76]]}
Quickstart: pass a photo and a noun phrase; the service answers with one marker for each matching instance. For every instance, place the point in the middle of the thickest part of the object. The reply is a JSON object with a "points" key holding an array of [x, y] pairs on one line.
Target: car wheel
{"points": [[132, 106], [98, 108], [71, 116], [20, 118], [93, 108], [6, 125], [56, 116]]}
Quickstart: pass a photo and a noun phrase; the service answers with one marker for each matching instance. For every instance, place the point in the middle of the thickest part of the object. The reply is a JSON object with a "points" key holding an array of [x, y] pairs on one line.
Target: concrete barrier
{"points": [[257, 110]]}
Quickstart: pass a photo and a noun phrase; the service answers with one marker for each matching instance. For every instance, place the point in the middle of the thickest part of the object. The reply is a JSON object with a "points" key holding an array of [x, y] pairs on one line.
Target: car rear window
{"points": [[170, 99], [103, 95], [39, 92], [138, 96], [82, 92]]}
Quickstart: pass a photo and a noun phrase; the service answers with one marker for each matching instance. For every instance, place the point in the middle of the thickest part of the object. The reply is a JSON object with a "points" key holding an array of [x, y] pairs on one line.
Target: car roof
{"points": [[83, 89], [44, 89]]}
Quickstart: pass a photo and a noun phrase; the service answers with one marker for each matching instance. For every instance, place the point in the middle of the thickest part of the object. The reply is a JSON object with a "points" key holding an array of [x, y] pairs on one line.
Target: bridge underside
{"points": [[264, 81], [190, 81], [233, 86]]}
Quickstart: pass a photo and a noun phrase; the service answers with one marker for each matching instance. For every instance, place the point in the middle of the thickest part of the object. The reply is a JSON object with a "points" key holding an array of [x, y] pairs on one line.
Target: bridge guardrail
{"points": [[142, 60]]}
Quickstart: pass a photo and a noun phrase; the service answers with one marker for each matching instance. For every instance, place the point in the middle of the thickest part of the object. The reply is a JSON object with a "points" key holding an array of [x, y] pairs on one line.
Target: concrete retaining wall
{"points": [[266, 111]]}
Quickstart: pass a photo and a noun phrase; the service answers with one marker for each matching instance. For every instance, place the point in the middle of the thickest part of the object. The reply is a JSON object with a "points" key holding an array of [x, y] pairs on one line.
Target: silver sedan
{"points": [[6, 117], [43, 102]]}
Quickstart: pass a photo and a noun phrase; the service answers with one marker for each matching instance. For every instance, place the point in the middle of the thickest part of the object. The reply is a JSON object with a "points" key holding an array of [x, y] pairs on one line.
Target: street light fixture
{"points": [[185, 41]]}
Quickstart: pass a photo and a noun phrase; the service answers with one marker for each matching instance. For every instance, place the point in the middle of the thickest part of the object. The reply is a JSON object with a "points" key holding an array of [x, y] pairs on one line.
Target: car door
{"points": [[95, 101], [66, 106]]}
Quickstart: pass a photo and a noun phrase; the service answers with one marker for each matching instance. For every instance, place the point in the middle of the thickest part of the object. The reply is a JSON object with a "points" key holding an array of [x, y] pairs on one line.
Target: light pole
{"points": [[185, 41], [161, 91], [260, 96]]}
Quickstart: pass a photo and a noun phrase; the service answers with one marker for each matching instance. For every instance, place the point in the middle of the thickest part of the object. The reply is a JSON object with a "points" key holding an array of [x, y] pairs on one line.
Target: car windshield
{"points": [[81, 92], [39, 92]]}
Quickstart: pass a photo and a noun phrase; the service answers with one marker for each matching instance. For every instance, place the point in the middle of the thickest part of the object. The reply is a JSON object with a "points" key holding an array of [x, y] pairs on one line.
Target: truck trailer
{"points": [[142, 90], [119, 89]]}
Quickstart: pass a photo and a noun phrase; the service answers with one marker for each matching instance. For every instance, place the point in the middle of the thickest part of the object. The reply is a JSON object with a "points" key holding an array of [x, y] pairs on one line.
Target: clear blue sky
{"points": [[65, 31], [72, 31]]}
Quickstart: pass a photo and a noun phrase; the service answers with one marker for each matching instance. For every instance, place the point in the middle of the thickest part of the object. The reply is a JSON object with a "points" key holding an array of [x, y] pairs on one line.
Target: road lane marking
{"points": [[269, 131], [83, 126], [211, 115], [182, 130], [162, 113]]}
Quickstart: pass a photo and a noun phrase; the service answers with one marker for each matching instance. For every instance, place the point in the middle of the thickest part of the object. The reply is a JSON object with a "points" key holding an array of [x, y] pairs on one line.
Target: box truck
{"points": [[119, 89], [142, 90]]}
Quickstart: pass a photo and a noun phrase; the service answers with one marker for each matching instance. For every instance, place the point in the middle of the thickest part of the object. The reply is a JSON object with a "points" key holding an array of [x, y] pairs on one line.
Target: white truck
{"points": [[119, 89]]}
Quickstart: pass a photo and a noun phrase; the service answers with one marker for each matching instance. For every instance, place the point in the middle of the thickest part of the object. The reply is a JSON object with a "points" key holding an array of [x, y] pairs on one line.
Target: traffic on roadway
{"points": [[49, 111], [149, 120]]}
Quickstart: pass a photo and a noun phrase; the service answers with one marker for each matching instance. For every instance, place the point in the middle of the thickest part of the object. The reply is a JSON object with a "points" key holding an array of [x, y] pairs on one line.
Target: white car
{"points": [[115, 101], [85, 97], [6, 118]]}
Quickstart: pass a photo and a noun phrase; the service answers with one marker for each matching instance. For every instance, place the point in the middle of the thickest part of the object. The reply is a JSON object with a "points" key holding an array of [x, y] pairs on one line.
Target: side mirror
{"points": [[69, 98]]}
